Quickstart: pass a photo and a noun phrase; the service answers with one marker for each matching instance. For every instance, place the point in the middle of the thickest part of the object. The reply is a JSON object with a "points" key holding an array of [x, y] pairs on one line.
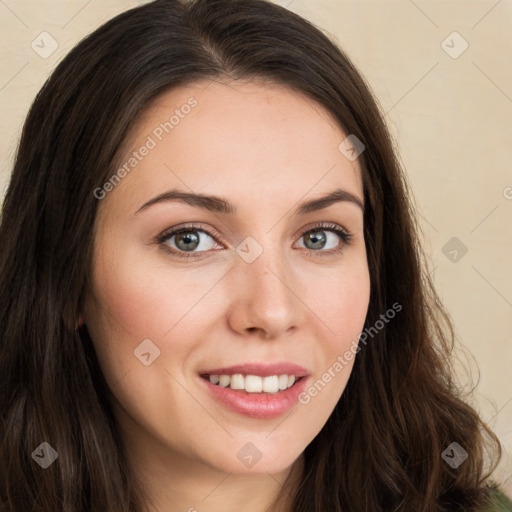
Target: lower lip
{"points": [[257, 405]]}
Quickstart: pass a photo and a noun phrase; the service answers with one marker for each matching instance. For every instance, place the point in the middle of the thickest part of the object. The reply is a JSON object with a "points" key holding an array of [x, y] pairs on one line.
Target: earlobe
{"points": [[80, 321]]}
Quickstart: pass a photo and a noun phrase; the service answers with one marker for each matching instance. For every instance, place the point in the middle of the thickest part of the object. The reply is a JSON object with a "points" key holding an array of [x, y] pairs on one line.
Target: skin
{"points": [[265, 148]]}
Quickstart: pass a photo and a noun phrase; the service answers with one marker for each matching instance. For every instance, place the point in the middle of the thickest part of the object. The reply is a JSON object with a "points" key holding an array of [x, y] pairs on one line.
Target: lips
{"points": [[263, 370], [256, 390]]}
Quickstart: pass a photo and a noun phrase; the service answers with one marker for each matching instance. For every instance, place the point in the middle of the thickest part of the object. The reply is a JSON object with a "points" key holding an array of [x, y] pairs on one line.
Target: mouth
{"points": [[253, 383], [256, 390]]}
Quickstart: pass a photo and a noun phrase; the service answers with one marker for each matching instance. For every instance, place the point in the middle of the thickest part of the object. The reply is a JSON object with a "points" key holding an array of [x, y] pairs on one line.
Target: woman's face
{"points": [[259, 284]]}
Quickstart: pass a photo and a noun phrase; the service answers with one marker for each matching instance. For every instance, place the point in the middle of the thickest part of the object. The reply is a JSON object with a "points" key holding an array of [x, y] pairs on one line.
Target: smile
{"points": [[254, 383], [256, 390]]}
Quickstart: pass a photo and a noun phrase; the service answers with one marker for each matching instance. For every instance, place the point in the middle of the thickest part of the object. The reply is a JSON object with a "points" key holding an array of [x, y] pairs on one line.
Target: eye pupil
{"points": [[189, 237], [318, 239]]}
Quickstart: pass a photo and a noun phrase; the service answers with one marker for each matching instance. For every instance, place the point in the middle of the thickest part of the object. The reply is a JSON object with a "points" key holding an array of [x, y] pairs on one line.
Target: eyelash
{"points": [[345, 236]]}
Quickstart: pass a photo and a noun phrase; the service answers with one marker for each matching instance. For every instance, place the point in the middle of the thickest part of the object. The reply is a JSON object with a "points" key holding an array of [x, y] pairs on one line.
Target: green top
{"points": [[499, 502]]}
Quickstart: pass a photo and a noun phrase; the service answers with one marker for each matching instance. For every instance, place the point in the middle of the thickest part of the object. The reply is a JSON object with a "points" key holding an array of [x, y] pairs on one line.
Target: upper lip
{"points": [[260, 369]]}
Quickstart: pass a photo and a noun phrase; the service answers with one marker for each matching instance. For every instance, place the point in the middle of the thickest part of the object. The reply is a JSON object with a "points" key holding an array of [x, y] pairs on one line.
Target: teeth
{"points": [[237, 381], [254, 383], [271, 384], [224, 381]]}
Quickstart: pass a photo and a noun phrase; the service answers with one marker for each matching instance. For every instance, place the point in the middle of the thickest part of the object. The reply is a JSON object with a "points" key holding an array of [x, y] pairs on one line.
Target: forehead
{"points": [[256, 141]]}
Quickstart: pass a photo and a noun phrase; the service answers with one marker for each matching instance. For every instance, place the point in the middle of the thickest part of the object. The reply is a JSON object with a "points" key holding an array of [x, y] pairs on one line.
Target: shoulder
{"points": [[499, 502]]}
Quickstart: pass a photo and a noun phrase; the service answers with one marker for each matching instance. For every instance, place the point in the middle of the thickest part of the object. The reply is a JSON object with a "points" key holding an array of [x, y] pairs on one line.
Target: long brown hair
{"points": [[381, 448]]}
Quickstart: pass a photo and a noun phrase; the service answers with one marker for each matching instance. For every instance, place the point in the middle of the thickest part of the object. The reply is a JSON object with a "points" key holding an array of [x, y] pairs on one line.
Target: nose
{"points": [[265, 299]]}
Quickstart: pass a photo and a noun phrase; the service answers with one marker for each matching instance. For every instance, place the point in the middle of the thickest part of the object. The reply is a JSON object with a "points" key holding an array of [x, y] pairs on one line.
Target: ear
{"points": [[80, 321]]}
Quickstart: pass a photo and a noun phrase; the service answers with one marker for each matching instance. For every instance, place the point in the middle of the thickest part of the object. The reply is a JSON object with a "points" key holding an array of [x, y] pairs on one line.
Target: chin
{"points": [[255, 455]]}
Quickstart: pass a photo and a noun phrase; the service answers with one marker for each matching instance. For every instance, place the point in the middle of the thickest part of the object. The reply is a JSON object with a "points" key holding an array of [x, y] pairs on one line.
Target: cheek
{"points": [[137, 297], [342, 305], [341, 302], [142, 296]]}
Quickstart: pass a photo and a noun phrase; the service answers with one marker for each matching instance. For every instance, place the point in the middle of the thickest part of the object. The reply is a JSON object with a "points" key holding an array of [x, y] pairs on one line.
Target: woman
{"points": [[214, 296]]}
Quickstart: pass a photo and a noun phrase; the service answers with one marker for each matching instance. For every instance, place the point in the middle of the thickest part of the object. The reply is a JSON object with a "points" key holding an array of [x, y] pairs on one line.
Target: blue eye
{"points": [[319, 238], [183, 242], [188, 239]]}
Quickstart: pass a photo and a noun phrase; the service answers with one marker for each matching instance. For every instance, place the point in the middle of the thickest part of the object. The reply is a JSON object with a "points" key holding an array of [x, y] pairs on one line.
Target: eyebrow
{"points": [[220, 205]]}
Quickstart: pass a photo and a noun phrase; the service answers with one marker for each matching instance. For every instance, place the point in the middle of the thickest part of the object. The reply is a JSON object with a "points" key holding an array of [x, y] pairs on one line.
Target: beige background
{"points": [[451, 118]]}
